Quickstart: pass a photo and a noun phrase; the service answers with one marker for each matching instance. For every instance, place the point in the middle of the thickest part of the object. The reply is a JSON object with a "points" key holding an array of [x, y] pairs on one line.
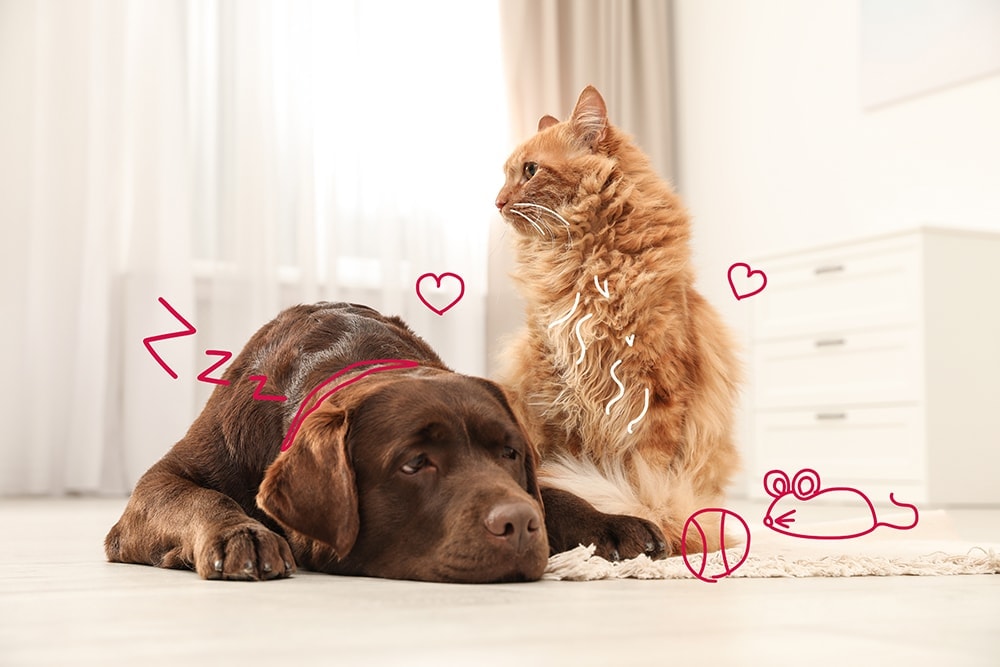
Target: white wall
{"points": [[776, 152]]}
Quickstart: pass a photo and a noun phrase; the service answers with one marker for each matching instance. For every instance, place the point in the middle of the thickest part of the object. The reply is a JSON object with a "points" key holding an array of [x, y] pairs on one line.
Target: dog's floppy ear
{"points": [[531, 455], [310, 488]]}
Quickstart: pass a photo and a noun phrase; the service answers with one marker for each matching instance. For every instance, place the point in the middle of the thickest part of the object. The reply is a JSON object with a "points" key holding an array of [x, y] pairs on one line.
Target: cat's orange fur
{"points": [[611, 218]]}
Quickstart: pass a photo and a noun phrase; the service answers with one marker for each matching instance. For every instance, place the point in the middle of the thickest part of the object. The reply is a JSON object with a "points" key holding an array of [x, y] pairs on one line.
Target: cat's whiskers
{"points": [[551, 212], [543, 208], [533, 223]]}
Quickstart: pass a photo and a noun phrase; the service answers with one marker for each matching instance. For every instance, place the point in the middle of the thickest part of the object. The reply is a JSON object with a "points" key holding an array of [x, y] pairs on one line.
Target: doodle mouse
{"points": [[789, 512]]}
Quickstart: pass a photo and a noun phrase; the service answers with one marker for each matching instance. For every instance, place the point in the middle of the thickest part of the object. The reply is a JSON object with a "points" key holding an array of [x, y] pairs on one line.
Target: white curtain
{"points": [[232, 158], [554, 48]]}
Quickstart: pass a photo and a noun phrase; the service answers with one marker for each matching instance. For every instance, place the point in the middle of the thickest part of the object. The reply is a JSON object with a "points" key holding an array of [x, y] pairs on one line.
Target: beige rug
{"points": [[930, 548]]}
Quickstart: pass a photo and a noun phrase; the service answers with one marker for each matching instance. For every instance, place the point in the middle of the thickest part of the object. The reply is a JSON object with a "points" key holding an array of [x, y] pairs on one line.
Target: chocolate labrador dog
{"points": [[342, 444]]}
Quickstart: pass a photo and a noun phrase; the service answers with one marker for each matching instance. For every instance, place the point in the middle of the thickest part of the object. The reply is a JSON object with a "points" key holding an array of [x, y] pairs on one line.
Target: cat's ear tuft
{"points": [[546, 122], [590, 117]]}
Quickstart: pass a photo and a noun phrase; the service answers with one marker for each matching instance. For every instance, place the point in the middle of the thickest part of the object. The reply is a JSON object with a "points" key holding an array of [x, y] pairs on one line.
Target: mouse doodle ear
{"points": [[546, 122], [805, 484], [590, 117], [776, 483], [310, 488]]}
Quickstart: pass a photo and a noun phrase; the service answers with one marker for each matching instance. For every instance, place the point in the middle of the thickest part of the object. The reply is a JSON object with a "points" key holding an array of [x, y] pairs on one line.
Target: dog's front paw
{"points": [[618, 536], [248, 552], [571, 521]]}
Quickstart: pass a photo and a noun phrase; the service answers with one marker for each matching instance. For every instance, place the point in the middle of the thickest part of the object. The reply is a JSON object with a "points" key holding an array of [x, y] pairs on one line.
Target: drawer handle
{"points": [[829, 268], [830, 342], [831, 416]]}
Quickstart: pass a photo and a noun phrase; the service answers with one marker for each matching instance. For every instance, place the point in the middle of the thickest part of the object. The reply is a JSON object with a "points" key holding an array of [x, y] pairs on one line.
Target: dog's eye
{"points": [[509, 453], [415, 464], [530, 169]]}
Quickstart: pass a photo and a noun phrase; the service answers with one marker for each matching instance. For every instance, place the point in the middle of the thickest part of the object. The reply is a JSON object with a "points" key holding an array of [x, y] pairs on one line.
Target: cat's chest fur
{"points": [[600, 375]]}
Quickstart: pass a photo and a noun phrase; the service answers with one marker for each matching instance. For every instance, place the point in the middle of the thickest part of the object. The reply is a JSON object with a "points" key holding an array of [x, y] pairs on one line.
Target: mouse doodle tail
{"points": [[916, 514]]}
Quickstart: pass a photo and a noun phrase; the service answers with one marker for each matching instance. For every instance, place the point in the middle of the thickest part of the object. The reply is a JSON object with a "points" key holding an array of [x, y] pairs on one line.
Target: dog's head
{"points": [[422, 476]]}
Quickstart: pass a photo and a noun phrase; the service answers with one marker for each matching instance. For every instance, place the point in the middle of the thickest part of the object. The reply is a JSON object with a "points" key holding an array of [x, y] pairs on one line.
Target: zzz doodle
{"points": [[224, 356], [792, 497]]}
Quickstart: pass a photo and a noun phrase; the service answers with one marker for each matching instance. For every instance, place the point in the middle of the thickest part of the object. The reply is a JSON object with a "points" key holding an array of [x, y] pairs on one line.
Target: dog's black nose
{"points": [[517, 522]]}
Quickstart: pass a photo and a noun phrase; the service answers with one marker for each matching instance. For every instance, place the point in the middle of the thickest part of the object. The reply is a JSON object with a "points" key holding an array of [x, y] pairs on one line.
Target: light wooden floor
{"points": [[61, 604]]}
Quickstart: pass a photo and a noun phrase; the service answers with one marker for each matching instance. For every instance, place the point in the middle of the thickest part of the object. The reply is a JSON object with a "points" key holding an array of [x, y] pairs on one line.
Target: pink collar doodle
{"points": [[303, 412]]}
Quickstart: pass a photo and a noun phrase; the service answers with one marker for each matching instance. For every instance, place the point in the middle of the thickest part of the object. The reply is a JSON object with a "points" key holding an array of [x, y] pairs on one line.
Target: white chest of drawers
{"points": [[877, 363]]}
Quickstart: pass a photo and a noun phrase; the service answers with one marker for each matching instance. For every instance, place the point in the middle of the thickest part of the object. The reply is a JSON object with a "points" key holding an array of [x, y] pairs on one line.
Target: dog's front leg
{"points": [[571, 521], [172, 522]]}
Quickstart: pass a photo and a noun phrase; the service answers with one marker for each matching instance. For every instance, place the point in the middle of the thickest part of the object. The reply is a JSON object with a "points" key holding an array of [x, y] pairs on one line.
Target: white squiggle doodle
{"points": [[645, 407], [630, 339], [583, 347], [621, 388], [567, 315], [605, 292]]}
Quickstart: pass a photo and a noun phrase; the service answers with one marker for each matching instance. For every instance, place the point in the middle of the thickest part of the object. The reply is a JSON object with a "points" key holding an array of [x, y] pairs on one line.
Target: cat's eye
{"points": [[415, 465], [530, 169]]}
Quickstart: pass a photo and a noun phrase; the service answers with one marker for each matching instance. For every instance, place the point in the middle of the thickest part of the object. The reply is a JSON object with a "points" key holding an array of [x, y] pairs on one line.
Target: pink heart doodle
{"points": [[437, 284], [749, 274]]}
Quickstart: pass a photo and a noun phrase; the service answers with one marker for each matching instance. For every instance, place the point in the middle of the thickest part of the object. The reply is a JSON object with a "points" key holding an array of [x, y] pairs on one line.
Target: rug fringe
{"points": [[580, 564]]}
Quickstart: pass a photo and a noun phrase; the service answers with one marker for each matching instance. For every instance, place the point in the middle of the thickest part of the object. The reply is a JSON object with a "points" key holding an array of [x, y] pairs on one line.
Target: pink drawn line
{"points": [[258, 396], [750, 273], [805, 487], [437, 281], [727, 568], [148, 342], [226, 355], [300, 416]]}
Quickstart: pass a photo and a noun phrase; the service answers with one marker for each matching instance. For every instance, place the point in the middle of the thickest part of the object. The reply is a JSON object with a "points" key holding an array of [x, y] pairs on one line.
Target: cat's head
{"points": [[548, 175]]}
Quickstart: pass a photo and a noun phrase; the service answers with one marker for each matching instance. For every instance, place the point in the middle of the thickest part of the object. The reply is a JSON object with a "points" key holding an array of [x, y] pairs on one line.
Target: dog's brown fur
{"points": [[413, 473], [598, 211]]}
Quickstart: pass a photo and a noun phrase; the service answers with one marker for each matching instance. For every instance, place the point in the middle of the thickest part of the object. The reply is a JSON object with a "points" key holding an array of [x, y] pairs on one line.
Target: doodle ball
{"points": [[699, 563]]}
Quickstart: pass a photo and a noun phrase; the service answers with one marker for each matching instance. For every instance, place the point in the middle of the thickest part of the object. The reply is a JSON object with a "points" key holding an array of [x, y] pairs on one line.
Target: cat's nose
{"points": [[500, 202]]}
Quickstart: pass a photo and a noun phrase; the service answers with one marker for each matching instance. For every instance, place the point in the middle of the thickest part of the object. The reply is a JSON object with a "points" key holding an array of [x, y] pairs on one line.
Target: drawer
{"points": [[883, 366], [854, 287], [848, 445]]}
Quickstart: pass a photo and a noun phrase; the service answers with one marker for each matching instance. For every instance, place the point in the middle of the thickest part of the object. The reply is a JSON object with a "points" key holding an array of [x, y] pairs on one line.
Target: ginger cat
{"points": [[625, 375]]}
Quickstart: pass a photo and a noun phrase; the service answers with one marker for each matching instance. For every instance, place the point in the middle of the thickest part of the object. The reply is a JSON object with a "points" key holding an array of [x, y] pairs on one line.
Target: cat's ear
{"points": [[590, 117], [546, 122]]}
